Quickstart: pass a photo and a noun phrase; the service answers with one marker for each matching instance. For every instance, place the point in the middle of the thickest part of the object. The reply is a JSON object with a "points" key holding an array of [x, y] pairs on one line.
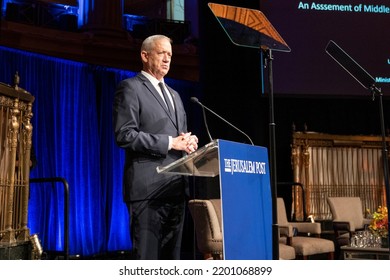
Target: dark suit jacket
{"points": [[142, 125]]}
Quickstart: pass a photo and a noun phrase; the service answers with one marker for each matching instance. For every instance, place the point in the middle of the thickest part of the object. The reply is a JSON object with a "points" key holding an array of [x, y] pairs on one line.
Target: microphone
{"points": [[195, 100]]}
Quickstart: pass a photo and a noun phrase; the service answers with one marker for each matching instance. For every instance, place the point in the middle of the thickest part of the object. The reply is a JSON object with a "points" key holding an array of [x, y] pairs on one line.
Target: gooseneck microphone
{"points": [[195, 100]]}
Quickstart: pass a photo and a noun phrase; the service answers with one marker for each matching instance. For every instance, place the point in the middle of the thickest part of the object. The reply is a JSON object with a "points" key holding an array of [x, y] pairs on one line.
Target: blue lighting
{"points": [[131, 21]]}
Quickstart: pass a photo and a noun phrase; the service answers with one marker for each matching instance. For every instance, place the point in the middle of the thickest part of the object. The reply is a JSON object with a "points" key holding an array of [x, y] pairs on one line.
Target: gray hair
{"points": [[148, 43]]}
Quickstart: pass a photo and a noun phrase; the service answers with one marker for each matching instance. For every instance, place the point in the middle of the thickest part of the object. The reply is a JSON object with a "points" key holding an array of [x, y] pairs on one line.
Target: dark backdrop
{"points": [[233, 77]]}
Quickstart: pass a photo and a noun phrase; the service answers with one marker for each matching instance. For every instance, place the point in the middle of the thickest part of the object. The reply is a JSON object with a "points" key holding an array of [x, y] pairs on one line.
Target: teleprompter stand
{"points": [[250, 28], [368, 82]]}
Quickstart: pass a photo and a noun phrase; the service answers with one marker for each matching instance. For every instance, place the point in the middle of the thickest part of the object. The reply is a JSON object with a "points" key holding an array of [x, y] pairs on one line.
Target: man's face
{"points": [[158, 60]]}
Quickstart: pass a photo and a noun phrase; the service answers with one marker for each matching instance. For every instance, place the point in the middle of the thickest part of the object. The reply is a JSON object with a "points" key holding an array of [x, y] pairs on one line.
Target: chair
{"points": [[286, 252], [208, 229], [206, 214], [347, 217], [303, 244]]}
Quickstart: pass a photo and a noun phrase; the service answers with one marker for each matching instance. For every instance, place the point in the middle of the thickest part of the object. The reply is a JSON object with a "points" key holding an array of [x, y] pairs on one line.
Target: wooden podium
{"points": [[245, 194], [15, 150]]}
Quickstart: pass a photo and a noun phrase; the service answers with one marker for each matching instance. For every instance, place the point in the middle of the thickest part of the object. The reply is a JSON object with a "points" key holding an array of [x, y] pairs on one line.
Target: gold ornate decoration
{"points": [[336, 165], [15, 150]]}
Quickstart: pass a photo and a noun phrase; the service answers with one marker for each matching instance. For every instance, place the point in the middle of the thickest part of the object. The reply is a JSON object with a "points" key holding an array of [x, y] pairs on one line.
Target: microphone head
{"points": [[194, 99]]}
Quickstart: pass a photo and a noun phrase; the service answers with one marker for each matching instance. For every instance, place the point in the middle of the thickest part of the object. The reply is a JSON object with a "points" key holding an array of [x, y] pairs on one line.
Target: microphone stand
{"points": [[376, 90], [267, 53]]}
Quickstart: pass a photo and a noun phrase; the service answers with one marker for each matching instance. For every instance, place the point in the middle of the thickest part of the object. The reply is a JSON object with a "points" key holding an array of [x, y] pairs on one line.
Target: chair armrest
{"points": [[286, 230], [304, 227], [342, 226]]}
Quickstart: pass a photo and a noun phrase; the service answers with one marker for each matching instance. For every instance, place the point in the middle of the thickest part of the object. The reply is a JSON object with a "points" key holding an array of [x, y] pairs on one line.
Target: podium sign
{"points": [[246, 201], [245, 194]]}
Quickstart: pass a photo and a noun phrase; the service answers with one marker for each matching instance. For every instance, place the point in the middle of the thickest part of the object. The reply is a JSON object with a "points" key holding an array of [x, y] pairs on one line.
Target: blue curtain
{"points": [[73, 139]]}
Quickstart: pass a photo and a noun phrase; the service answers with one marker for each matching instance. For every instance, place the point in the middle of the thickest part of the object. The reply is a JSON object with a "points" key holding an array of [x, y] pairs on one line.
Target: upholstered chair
{"points": [[347, 217], [306, 238], [206, 214]]}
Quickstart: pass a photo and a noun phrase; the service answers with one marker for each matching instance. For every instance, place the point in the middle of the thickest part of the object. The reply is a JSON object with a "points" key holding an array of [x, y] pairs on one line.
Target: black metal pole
{"points": [[272, 154], [66, 207], [384, 152]]}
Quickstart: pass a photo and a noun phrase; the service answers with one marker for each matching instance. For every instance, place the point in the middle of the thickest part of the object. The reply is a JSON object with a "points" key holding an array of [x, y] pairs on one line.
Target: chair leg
{"points": [[331, 256]]}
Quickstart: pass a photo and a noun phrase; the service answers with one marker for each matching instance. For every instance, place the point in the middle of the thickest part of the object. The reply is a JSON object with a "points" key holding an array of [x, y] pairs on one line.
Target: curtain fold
{"points": [[73, 139]]}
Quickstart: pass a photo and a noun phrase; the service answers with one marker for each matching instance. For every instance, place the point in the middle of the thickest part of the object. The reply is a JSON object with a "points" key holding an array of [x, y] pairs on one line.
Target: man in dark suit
{"points": [[152, 128]]}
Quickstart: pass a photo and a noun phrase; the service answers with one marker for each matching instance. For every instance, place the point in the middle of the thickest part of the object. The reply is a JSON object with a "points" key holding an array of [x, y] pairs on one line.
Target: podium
{"points": [[245, 194]]}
